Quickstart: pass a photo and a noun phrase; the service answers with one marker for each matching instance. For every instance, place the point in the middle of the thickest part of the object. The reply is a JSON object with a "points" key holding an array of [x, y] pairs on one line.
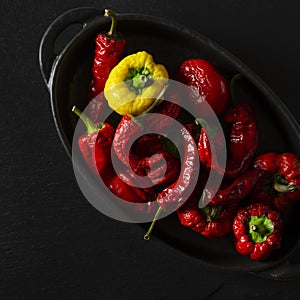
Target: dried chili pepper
{"points": [[279, 188], [210, 221], [236, 191], [169, 108], [109, 48], [124, 187], [98, 138], [242, 142], [258, 231], [174, 195], [207, 84]]}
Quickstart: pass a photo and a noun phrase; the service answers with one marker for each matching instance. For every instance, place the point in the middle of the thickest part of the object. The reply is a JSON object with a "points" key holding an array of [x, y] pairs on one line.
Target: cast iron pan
{"points": [[66, 73]]}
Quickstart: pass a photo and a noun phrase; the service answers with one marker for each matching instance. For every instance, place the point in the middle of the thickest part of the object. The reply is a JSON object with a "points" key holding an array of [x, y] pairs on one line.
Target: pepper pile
{"points": [[256, 190]]}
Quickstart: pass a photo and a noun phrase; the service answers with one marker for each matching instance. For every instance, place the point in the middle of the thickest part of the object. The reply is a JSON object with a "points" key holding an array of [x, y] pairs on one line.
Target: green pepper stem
{"points": [[281, 185], [281, 188], [110, 13], [203, 123], [233, 81], [147, 235], [90, 126]]}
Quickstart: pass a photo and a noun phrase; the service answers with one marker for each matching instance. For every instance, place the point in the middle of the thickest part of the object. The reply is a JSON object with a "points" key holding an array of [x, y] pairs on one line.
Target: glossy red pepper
{"points": [[258, 231], [153, 150], [173, 196], [109, 48], [207, 84], [124, 187], [242, 142], [108, 51], [126, 133], [210, 221], [236, 191], [170, 108], [279, 188], [98, 138]]}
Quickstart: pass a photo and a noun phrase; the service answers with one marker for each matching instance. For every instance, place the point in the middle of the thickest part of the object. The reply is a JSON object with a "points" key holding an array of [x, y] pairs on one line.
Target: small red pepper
{"points": [[236, 191], [127, 131], [258, 231], [279, 188], [207, 84], [108, 50], [152, 149], [210, 221], [98, 138], [123, 186], [243, 141], [170, 108]]}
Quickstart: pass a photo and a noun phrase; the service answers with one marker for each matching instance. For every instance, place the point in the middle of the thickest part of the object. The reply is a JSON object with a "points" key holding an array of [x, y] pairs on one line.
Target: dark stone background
{"points": [[53, 243]]}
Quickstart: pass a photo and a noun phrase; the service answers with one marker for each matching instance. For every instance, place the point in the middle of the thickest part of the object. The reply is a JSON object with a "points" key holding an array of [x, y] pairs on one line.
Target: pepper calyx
{"points": [[211, 212], [281, 185], [260, 227], [90, 126], [138, 79]]}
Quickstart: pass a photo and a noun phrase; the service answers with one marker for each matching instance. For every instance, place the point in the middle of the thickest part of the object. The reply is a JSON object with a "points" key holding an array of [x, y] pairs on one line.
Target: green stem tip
{"points": [[147, 235], [91, 127], [110, 13]]}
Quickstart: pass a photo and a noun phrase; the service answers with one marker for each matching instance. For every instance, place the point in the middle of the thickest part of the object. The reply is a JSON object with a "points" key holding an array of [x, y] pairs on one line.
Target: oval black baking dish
{"points": [[68, 73]]}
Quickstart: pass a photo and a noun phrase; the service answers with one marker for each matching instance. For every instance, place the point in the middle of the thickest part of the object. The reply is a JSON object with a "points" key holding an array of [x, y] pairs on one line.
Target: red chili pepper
{"points": [[126, 132], [170, 108], [109, 48], [243, 141], [174, 195], [258, 231], [207, 83], [279, 188], [98, 138], [236, 191], [152, 149], [123, 186]]}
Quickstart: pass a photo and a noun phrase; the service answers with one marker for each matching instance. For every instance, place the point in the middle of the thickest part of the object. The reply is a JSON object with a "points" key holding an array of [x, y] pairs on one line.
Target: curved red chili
{"points": [[236, 191]]}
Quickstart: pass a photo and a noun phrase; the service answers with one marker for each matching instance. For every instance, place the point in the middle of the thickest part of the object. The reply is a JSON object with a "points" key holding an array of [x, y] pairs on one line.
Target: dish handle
{"points": [[288, 270], [47, 53]]}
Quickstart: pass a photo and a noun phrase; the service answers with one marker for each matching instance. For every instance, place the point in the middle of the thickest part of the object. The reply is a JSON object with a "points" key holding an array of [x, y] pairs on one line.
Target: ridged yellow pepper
{"points": [[135, 83]]}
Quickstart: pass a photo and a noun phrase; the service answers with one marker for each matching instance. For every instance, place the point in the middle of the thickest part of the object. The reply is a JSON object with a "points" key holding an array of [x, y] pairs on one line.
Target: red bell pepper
{"points": [[258, 231]]}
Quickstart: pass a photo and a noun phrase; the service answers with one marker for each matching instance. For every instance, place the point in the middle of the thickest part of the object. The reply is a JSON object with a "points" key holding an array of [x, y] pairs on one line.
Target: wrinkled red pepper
{"points": [[126, 133], [124, 187], [243, 141], [170, 108], [279, 188], [152, 149], [173, 196], [258, 231], [98, 138], [207, 84], [108, 50], [236, 191], [210, 221]]}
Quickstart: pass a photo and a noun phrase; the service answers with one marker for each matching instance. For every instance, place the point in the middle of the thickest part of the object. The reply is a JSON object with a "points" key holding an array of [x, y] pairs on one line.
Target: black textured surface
{"points": [[53, 244]]}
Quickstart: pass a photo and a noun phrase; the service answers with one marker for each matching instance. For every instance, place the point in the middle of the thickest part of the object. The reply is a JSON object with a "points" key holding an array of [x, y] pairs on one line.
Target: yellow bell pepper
{"points": [[135, 83]]}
